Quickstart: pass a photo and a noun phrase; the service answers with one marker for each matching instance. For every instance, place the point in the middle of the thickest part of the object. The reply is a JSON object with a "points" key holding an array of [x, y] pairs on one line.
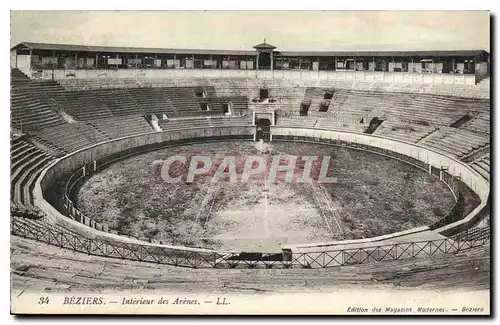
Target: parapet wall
{"points": [[394, 77], [439, 84]]}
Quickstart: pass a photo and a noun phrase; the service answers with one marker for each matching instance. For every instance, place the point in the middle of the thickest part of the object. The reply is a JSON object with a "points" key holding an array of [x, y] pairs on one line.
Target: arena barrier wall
{"points": [[90, 231], [430, 157]]}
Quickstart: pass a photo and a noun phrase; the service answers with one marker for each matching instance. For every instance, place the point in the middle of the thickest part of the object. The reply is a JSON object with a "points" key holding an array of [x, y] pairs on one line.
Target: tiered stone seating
{"points": [[480, 123], [27, 162], [482, 166], [403, 131], [455, 142], [296, 122], [239, 102], [212, 99], [152, 100], [344, 125], [99, 83], [117, 127], [184, 99], [83, 105], [314, 97], [27, 211], [115, 96], [413, 108], [340, 125], [70, 137], [290, 97], [120, 102], [31, 108]]}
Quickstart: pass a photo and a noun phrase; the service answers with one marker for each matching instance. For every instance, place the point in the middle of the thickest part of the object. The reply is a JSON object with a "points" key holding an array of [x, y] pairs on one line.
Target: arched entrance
{"points": [[263, 129]]}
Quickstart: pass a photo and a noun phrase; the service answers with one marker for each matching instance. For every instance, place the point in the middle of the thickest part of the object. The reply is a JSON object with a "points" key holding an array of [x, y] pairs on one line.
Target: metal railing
{"points": [[58, 236]]}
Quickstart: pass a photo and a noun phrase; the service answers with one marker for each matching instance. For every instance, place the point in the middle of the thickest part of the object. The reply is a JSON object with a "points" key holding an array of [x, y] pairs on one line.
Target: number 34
{"points": [[43, 300]]}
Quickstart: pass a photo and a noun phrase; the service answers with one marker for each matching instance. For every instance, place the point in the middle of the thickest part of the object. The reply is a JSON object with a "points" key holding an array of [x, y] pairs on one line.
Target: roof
{"points": [[383, 53], [138, 50], [115, 49], [264, 46]]}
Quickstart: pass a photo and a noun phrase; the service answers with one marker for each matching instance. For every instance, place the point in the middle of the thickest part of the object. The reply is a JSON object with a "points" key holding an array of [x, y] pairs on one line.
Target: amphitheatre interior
{"points": [[410, 150]]}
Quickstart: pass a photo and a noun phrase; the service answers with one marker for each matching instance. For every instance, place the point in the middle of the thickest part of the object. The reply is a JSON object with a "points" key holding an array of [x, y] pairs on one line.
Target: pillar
{"points": [[257, 62], [31, 60], [96, 60], [433, 67], [272, 63], [136, 58], [76, 59], [95, 165], [393, 66], [412, 67], [193, 61], [53, 60]]}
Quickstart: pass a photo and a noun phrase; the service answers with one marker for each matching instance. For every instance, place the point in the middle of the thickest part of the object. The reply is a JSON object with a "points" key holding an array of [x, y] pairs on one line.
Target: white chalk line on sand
{"points": [[335, 215], [266, 204]]}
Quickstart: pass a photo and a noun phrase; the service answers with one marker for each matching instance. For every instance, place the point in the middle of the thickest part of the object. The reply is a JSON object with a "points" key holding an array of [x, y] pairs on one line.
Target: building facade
{"points": [[36, 57]]}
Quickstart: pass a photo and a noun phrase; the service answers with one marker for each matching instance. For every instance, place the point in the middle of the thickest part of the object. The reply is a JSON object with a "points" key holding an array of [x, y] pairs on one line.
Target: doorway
{"points": [[263, 129], [264, 61]]}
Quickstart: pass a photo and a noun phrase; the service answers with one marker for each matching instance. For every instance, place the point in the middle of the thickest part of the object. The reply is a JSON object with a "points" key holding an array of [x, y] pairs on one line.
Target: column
{"points": [[272, 60], [96, 59], [31, 63], [136, 58], [76, 60], [393, 66], [412, 67], [53, 60], [433, 69], [257, 62], [193, 61]]}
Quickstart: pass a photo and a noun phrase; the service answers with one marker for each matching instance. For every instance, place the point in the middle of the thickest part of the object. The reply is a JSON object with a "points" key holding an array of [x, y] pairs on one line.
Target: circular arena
{"points": [[248, 168], [260, 213]]}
